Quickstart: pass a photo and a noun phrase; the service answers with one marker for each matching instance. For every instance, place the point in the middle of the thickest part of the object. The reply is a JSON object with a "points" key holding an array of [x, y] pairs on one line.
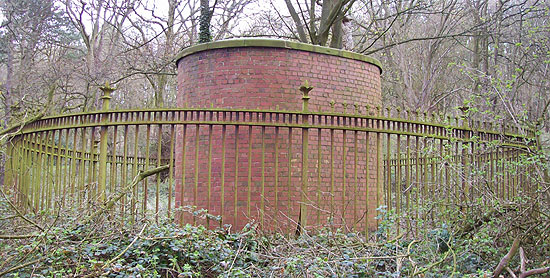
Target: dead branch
{"points": [[21, 266], [523, 266], [523, 272], [536, 271], [112, 201], [506, 259], [19, 214], [17, 236]]}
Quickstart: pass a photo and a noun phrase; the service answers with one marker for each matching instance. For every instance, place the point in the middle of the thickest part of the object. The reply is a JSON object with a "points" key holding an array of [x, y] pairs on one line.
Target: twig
{"points": [[17, 236], [19, 213], [141, 176], [522, 260], [523, 266], [511, 272], [8, 217], [536, 271], [21, 266], [127, 247]]}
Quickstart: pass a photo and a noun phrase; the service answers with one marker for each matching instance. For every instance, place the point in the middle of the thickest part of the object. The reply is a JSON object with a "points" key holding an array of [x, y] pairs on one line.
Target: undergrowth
{"points": [[106, 248]]}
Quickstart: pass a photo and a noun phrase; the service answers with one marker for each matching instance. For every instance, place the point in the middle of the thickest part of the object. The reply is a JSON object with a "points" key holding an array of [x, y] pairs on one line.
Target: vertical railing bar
{"points": [[37, 171], [91, 175], [27, 179], [47, 174], [72, 170], [457, 162], [209, 179], [433, 180], [196, 181], [58, 175], [408, 185], [388, 171], [379, 168], [425, 182], [344, 167], [355, 178], [289, 172], [222, 193], [276, 174], [398, 186], [33, 149], [236, 185], [440, 186], [183, 164], [25, 144], [159, 158], [262, 196], [249, 183], [367, 184], [113, 174], [447, 177], [146, 165], [332, 178], [319, 154], [417, 180], [124, 169], [135, 166], [172, 168], [66, 163], [82, 168]]}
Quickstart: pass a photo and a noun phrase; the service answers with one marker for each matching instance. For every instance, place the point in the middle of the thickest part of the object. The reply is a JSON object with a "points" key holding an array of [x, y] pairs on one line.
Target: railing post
{"points": [[305, 89], [107, 90], [465, 161]]}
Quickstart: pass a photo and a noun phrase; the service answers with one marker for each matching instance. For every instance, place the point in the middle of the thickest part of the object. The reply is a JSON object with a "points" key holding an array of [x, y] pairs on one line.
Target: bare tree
{"points": [[312, 25]]}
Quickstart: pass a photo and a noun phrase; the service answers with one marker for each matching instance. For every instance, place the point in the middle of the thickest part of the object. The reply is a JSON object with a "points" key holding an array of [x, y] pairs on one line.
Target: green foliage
{"points": [[168, 250]]}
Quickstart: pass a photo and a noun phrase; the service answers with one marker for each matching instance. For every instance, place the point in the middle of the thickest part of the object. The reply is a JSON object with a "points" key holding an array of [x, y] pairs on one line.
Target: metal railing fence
{"points": [[284, 169]]}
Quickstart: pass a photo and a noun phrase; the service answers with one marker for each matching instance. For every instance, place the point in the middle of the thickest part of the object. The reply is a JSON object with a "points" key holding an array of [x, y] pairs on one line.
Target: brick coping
{"points": [[276, 43]]}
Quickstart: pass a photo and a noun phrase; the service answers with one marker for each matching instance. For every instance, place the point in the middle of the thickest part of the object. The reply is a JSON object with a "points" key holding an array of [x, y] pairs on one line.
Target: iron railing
{"points": [[249, 164]]}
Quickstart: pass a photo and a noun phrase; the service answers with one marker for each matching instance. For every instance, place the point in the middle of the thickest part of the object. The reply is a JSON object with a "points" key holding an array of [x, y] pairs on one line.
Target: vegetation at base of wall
{"points": [[60, 245]]}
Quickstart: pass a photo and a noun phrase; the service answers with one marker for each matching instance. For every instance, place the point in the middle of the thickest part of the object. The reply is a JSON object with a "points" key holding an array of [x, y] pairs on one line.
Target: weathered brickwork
{"points": [[255, 77]]}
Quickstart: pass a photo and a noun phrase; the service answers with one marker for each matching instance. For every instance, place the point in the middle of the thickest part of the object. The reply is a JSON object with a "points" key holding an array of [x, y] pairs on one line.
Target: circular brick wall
{"points": [[265, 74]]}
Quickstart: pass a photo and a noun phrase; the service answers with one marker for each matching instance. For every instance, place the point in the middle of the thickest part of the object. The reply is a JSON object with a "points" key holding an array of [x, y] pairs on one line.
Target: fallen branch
{"points": [[107, 264], [506, 259], [127, 247], [21, 266], [17, 236], [523, 272], [536, 271], [523, 266], [112, 201], [19, 214]]}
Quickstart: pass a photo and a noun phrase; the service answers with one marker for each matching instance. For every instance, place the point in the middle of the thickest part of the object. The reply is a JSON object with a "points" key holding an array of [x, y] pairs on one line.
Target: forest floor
{"points": [[68, 244]]}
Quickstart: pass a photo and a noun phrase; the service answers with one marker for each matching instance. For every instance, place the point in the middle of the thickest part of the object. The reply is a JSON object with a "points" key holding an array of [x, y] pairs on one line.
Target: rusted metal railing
{"points": [[285, 169]]}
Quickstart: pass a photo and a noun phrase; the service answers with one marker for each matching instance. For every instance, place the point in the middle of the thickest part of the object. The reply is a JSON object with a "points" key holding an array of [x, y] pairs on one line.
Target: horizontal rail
{"points": [[316, 120]]}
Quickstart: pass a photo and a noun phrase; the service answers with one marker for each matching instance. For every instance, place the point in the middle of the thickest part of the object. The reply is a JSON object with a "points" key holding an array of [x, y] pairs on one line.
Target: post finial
{"points": [[305, 89], [107, 90]]}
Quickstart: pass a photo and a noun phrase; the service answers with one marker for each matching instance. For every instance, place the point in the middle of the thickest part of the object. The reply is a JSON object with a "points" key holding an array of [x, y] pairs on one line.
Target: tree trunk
{"points": [[204, 27]]}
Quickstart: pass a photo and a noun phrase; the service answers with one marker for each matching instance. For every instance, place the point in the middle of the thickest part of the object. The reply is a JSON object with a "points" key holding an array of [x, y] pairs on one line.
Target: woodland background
{"points": [[491, 55], [489, 59]]}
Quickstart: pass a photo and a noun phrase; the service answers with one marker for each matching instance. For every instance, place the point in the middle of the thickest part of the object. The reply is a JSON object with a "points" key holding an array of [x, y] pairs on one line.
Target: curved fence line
{"points": [[249, 165]]}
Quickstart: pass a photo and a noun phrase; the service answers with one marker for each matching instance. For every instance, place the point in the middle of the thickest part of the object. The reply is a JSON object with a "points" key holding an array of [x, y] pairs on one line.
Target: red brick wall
{"points": [[266, 77]]}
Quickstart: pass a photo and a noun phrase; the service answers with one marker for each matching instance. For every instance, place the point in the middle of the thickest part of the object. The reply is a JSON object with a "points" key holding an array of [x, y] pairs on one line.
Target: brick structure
{"points": [[266, 74]]}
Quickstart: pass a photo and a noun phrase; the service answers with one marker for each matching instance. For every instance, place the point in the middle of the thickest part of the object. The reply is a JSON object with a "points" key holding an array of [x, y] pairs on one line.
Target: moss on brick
{"points": [[255, 42]]}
